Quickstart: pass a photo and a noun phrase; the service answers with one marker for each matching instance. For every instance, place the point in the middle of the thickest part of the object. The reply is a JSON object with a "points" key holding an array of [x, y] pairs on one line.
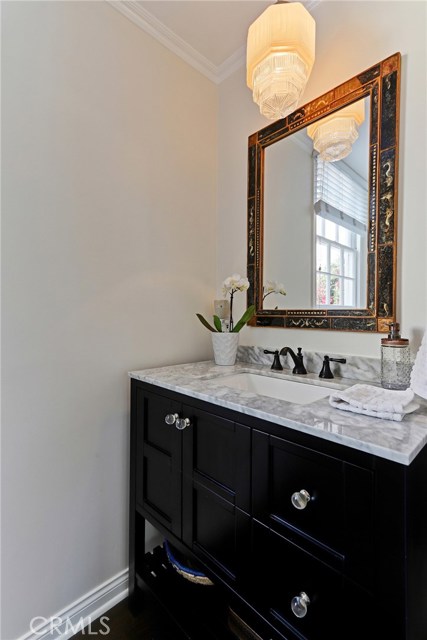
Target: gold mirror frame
{"points": [[382, 84]]}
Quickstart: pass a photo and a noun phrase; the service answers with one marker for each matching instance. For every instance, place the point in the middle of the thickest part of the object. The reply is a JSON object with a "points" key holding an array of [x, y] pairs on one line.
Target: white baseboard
{"points": [[82, 612]]}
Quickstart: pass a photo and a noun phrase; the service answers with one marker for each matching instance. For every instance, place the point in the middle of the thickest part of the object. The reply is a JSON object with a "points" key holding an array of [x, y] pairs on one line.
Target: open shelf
{"points": [[200, 611]]}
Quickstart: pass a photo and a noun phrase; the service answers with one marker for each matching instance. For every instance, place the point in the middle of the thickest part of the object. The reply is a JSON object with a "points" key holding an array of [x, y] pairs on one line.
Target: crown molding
{"points": [[155, 28], [237, 60]]}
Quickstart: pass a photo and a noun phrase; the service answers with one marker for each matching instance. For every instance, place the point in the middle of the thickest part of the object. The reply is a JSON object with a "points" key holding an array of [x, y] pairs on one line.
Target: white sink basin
{"points": [[290, 390]]}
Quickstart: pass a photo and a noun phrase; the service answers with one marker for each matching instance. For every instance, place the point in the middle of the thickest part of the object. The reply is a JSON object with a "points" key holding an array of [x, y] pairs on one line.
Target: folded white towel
{"points": [[374, 401]]}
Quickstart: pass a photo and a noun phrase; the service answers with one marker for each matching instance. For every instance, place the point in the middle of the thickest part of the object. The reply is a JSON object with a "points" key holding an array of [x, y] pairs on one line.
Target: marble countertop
{"points": [[396, 441]]}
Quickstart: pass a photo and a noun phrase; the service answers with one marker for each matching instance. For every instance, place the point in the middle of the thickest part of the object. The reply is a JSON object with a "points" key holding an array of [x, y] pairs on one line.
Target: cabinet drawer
{"points": [[335, 499], [287, 572]]}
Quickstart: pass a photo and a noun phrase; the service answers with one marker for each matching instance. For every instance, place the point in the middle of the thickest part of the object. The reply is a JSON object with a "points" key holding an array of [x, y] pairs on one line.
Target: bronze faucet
{"points": [[326, 369], [277, 365], [297, 358]]}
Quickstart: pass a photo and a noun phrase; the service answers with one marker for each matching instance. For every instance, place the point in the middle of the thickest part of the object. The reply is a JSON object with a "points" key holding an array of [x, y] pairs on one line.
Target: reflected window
{"points": [[337, 257], [341, 208]]}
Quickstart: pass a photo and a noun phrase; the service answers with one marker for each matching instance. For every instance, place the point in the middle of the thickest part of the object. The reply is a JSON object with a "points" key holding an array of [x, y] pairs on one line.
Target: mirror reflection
{"points": [[318, 256], [316, 214]]}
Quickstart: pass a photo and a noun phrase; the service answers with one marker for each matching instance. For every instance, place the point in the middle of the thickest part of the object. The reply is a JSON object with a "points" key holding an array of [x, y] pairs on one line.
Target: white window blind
{"points": [[340, 196]]}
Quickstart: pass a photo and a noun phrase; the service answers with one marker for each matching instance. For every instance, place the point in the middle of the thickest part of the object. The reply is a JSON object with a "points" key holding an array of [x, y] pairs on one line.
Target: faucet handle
{"points": [[326, 369], [277, 365], [300, 368]]}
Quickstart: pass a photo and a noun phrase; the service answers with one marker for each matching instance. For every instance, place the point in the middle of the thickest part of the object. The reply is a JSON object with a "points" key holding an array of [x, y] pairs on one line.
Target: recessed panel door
{"points": [[158, 478]]}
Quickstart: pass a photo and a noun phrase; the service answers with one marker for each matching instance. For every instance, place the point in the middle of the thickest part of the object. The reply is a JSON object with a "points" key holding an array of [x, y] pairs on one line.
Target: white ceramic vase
{"points": [[225, 347]]}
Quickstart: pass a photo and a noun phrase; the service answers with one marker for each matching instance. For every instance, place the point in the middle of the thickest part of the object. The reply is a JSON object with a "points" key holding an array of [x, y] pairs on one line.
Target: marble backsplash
{"points": [[356, 367]]}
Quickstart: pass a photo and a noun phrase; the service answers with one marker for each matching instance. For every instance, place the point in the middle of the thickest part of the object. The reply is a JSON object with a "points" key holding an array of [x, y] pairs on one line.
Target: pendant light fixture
{"points": [[334, 135], [280, 56]]}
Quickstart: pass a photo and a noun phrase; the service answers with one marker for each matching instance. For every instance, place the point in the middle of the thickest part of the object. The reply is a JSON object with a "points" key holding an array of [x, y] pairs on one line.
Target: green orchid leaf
{"points": [[205, 323], [244, 319], [217, 323]]}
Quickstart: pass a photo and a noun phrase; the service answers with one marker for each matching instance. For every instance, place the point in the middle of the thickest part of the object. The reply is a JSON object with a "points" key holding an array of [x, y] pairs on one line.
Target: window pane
{"points": [[321, 287], [330, 230], [349, 264], [345, 236], [335, 291], [322, 256], [320, 226], [336, 266], [348, 292]]}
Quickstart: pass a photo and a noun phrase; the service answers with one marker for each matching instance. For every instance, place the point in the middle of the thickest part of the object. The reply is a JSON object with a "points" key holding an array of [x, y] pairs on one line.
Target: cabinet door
{"points": [[158, 466], [218, 533], [216, 490]]}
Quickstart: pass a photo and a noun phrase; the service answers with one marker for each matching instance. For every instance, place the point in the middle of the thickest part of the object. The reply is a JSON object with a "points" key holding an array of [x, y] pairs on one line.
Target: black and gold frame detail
{"points": [[381, 83]]}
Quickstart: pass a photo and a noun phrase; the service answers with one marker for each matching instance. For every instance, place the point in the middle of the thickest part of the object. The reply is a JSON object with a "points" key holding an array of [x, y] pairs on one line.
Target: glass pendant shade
{"points": [[334, 135], [280, 56]]}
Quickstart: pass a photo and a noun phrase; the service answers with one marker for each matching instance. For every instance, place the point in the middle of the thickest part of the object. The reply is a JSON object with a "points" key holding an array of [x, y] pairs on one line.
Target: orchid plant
{"points": [[273, 287], [230, 286]]}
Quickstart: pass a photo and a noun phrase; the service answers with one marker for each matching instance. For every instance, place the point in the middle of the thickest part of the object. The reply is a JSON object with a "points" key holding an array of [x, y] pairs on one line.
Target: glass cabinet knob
{"points": [[171, 418], [299, 605], [300, 499], [182, 423]]}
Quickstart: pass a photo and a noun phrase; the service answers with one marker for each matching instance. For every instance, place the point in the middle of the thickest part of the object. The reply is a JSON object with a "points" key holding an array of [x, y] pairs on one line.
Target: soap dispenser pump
{"points": [[395, 360]]}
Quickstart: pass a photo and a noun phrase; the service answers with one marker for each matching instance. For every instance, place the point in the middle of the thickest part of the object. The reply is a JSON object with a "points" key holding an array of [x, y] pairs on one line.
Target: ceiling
{"points": [[208, 34]]}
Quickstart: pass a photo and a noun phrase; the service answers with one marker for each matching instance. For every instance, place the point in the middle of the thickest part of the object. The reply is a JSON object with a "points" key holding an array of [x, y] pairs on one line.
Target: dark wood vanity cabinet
{"points": [[307, 539], [194, 481]]}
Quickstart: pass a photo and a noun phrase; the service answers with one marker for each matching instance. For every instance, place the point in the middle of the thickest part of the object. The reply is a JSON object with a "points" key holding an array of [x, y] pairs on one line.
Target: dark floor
{"points": [[151, 624]]}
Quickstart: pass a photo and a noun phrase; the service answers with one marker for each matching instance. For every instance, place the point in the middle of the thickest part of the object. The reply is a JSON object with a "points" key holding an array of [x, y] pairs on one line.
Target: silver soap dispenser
{"points": [[395, 360]]}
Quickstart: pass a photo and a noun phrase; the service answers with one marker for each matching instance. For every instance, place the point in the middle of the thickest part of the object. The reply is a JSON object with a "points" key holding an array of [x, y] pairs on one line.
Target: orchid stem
{"points": [[231, 311]]}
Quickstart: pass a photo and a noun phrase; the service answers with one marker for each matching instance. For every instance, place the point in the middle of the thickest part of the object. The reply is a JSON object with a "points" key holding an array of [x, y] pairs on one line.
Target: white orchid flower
{"points": [[270, 287], [235, 283], [273, 287], [280, 288]]}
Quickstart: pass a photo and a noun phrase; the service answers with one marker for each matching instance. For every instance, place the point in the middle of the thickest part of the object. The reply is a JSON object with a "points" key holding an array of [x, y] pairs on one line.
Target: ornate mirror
{"points": [[322, 207]]}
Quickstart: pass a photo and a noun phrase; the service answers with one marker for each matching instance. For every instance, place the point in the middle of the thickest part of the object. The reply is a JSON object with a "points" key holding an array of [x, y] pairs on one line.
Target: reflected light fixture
{"points": [[334, 135], [279, 57]]}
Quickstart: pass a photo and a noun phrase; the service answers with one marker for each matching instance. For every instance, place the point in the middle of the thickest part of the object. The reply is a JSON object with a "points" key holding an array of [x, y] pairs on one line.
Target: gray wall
{"points": [[109, 195]]}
